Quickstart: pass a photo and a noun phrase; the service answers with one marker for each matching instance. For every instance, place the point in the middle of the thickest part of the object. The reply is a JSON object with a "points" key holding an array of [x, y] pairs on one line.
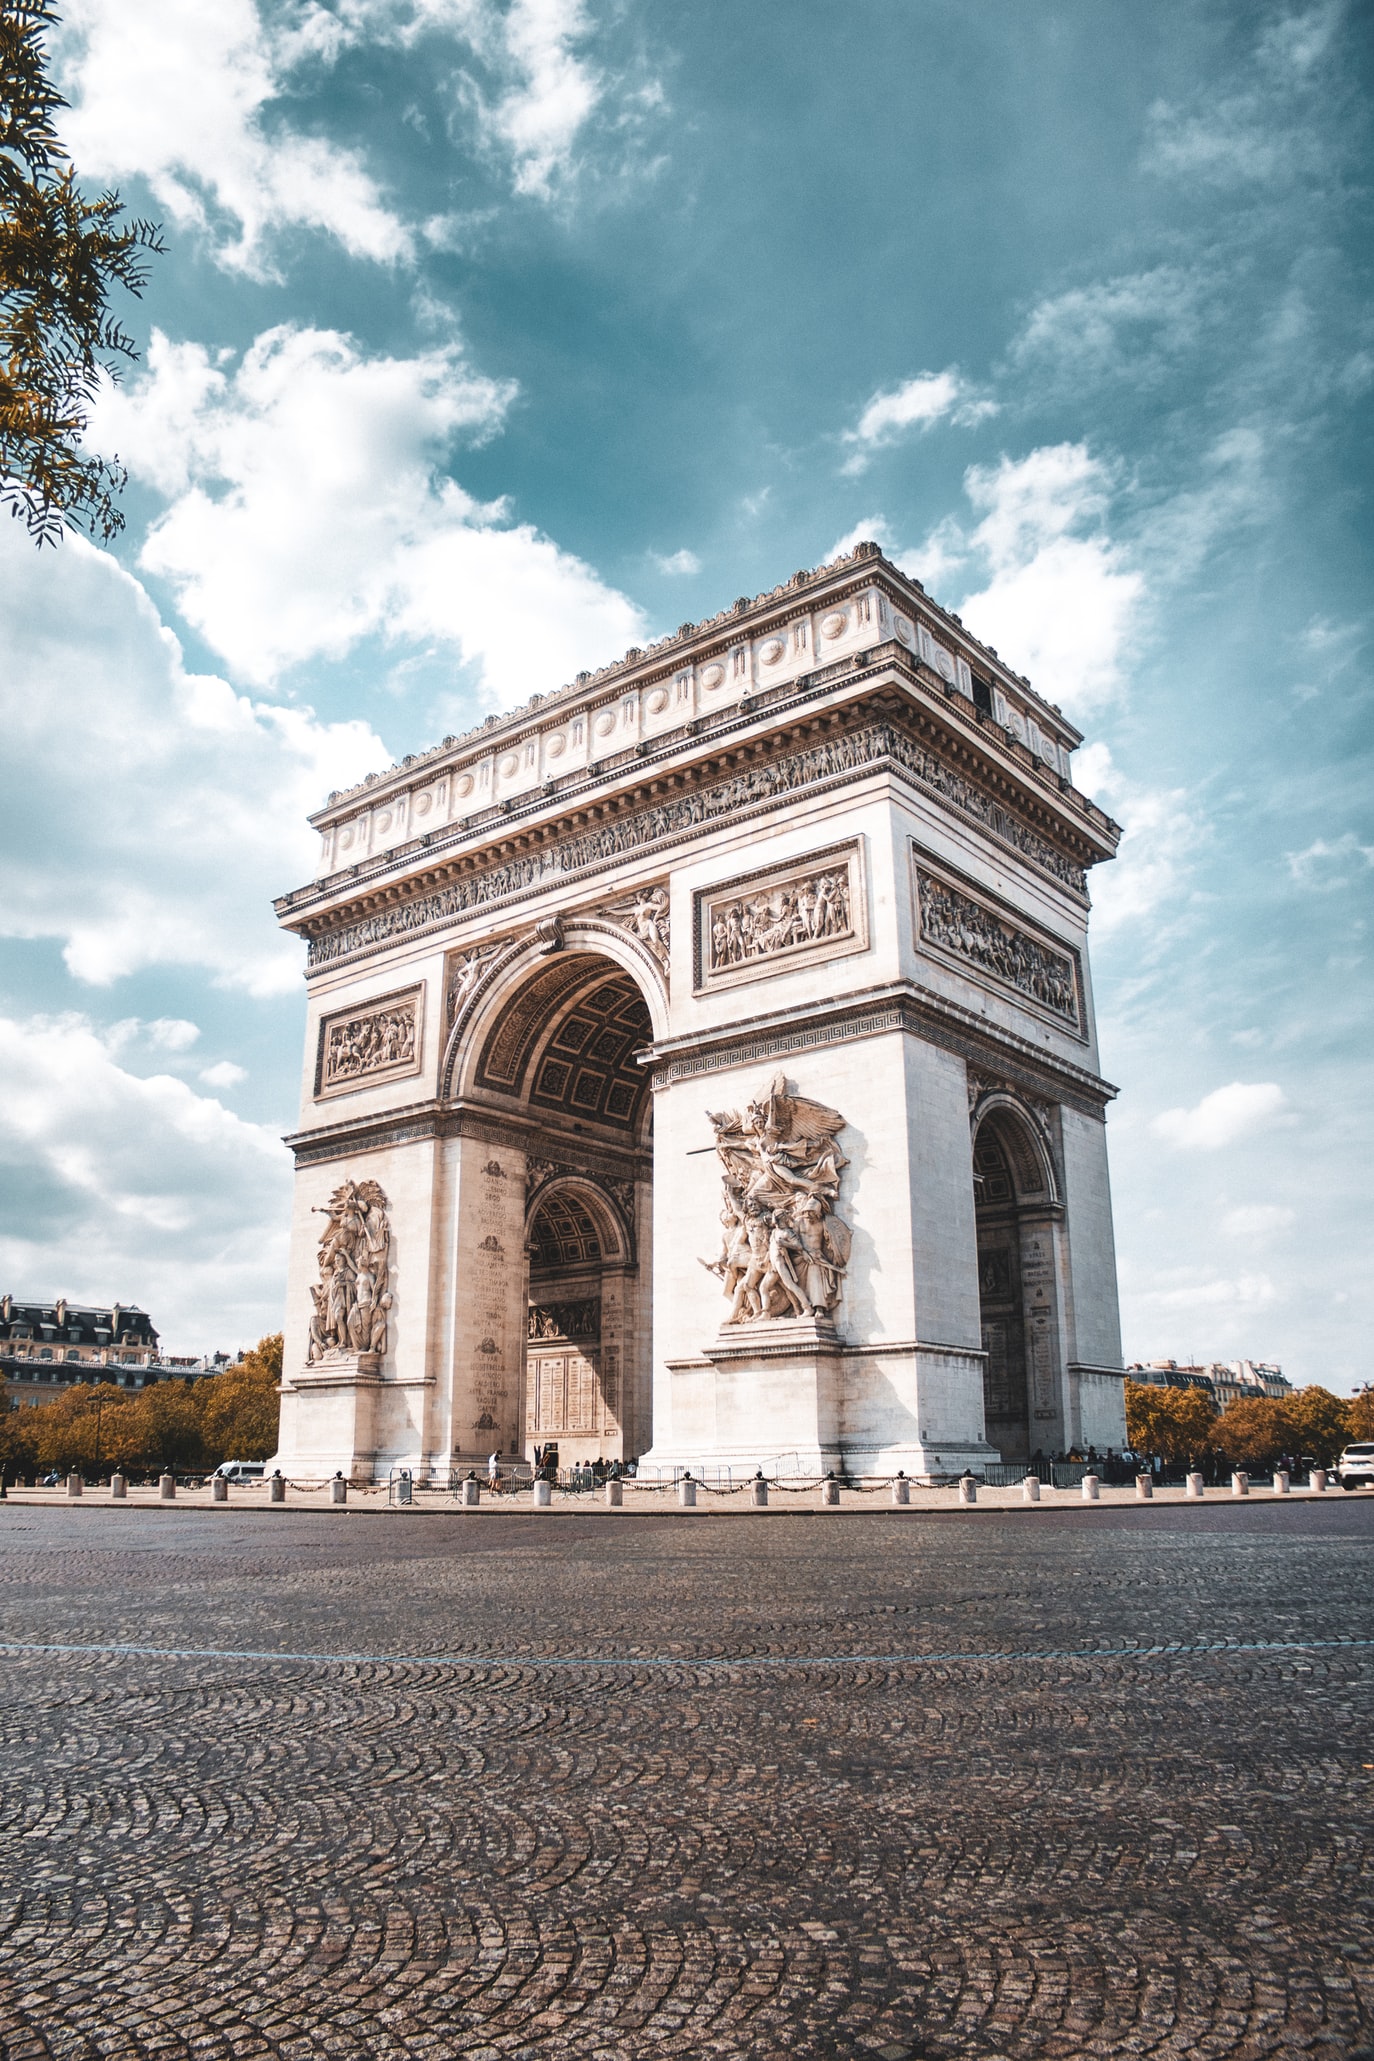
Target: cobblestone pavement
{"points": [[585, 1840]]}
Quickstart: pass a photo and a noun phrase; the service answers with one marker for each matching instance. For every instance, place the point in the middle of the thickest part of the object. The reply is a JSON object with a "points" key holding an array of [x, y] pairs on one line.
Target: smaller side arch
{"points": [[1024, 1144], [612, 1232]]}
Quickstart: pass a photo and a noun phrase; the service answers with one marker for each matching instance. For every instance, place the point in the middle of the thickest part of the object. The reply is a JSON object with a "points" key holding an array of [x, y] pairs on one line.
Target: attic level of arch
{"points": [[954, 734], [806, 593]]}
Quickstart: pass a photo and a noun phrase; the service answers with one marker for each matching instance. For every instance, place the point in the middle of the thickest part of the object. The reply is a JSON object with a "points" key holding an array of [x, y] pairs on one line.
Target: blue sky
{"points": [[494, 338]]}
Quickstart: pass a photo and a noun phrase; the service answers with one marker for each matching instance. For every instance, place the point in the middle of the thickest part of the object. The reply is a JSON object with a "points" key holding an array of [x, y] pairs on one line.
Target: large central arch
{"points": [[549, 1037]]}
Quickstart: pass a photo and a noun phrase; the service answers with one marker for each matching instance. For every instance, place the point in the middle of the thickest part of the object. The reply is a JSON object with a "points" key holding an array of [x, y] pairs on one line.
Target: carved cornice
{"points": [[892, 740], [903, 1006], [422, 1121]]}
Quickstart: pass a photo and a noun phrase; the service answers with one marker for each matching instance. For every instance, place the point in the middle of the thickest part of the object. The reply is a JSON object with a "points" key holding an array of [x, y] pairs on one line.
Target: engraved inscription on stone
{"points": [[954, 922], [809, 909], [375, 1042]]}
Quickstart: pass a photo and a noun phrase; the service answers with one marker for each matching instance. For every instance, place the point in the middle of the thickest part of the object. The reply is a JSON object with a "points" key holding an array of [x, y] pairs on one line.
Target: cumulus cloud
{"points": [[187, 98], [1062, 598], [1226, 1116], [307, 511], [1162, 832], [917, 404], [135, 1186], [677, 564], [551, 89], [224, 1074], [1329, 863], [1131, 324], [159, 811]]}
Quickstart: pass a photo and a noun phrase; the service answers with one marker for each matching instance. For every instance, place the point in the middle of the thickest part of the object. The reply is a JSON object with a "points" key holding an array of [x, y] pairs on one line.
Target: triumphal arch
{"points": [[701, 1068]]}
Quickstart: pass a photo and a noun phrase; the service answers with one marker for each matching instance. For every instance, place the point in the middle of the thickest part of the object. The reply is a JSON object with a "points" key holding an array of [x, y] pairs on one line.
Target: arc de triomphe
{"points": [[701, 1066]]}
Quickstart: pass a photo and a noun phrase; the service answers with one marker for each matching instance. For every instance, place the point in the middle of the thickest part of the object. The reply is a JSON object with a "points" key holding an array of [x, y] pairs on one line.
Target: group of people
{"points": [[783, 1250], [798, 914], [385, 1038], [960, 925], [352, 1297]]}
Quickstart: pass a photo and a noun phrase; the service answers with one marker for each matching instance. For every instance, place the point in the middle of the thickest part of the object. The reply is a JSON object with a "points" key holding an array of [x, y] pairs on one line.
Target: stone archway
{"points": [[583, 1310], [1017, 1211]]}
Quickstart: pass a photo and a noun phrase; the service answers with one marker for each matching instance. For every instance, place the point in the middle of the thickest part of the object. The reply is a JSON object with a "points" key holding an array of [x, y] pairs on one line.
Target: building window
{"points": [[46, 1353]]}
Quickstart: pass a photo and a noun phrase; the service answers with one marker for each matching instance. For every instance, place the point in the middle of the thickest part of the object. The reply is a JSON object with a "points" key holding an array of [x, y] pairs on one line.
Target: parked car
{"points": [[1356, 1467], [242, 1470]]}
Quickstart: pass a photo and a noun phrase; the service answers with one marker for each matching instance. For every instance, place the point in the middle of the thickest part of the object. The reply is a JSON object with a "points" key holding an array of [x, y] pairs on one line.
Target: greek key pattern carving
{"points": [[376, 1042], [760, 787], [959, 925]]}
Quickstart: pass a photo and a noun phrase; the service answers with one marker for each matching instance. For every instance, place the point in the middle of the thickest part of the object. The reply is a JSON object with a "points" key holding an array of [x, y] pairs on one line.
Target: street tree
{"points": [[62, 257], [1177, 1425]]}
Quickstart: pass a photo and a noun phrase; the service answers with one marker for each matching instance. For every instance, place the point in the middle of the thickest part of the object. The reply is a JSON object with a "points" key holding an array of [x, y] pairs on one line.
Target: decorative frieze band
{"points": [[762, 786], [967, 928], [370, 1043], [780, 916]]}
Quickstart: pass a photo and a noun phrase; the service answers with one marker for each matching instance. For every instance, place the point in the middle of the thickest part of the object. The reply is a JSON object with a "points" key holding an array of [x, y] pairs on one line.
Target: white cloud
{"points": [[552, 92], [182, 96], [159, 812], [1123, 325], [1330, 863], [137, 1188], [870, 529], [677, 564], [1198, 1293], [1239, 1110], [308, 511], [224, 1074], [172, 1033], [1061, 603], [1162, 829], [917, 404], [1257, 1222], [1261, 133]]}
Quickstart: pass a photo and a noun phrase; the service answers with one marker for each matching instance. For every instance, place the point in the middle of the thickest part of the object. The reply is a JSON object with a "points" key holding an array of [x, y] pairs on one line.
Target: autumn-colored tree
{"points": [[1255, 1432], [84, 1430], [168, 1426], [1320, 1423], [1359, 1417], [1177, 1425], [240, 1407], [61, 257]]}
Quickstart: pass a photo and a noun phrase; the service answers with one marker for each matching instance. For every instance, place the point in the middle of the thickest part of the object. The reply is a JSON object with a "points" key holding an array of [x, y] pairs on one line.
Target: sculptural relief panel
{"points": [[784, 1249], [353, 1295], [964, 927], [373, 1042], [765, 922]]}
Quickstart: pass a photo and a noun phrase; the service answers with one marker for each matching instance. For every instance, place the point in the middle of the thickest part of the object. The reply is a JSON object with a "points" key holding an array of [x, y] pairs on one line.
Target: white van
{"points": [[1356, 1467], [242, 1470]]}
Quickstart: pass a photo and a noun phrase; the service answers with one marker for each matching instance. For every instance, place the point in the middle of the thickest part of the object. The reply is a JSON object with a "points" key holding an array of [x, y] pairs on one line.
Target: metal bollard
{"points": [[1281, 1481], [167, 1488], [1092, 1488], [1240, 1483], [687, 1492], [615, 1494], [1144, 1488], [338, 1490], [543, 1495], [968, 1489], [470, 1493], [758, 1492], [1317, 1480], [901, 1490], [830, 1492], [1030, 1488], [219, 1490], [75, 1485], [1194, 1486], [276, 1489], [119, 1487]]}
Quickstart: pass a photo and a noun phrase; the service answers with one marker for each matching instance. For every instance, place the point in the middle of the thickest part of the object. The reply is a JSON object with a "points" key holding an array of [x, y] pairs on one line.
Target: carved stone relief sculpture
{"points": [[784, 1251], [353, 1294], [373, 1042], [645, 916], [956, 923], [558, 1320], [811, 909]]}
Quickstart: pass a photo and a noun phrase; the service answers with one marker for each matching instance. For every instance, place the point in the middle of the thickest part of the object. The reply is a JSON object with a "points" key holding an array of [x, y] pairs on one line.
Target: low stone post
{"points": [[338, 1490], [687, 1492], [615, 1493], [1092, 1488], [1030, 1488], [470, 1492], [276, 1489], [543, 1494], [119, 1487], [830, 1492], [1240, 1483], [968, 1489], [219, 1490], [901, 1489], [167, 1487], [1317, 1480], [1281, 1481], [758, 1492], [1144, 1488], [75, 1485], [1194, 1486]]}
